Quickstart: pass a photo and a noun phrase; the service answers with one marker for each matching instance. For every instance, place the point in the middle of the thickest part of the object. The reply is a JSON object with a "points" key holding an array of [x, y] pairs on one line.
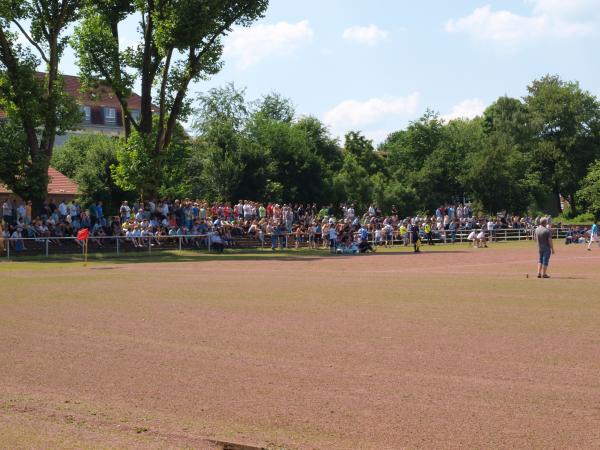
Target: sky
{"points": [[376, 65]]}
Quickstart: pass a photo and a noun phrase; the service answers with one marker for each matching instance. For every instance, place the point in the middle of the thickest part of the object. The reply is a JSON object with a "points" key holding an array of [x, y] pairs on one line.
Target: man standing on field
{"points": [[543, 237], [593, 236]]}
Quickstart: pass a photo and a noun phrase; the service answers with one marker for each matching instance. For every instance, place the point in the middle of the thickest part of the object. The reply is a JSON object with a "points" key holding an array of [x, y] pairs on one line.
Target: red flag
{"points": [[82, 235]]}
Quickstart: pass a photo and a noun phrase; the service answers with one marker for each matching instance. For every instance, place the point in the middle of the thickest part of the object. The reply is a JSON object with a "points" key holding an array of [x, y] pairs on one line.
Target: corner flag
{"points": [[82, 235]]}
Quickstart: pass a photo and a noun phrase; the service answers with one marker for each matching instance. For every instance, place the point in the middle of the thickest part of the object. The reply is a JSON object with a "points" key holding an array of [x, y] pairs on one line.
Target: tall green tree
{"points": [[566, 123], [179, 43], [353, 184], [88, 159], [231, 167], [362, 149], [407, 150], [296, 171], [589, 194], [36, 105]]}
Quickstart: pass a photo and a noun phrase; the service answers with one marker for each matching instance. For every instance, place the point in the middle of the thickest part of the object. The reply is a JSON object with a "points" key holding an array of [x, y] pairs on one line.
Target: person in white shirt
{"points": [[378, 236], [473, 238], [351, 212], [490, 228], [247, 211], [7, 211], [125, 212], [481, 239]]}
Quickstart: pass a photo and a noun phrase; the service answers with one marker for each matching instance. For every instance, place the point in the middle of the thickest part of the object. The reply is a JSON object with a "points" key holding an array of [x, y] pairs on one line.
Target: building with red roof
{"points": [[102, 114], [59, 187], [100, 108]]}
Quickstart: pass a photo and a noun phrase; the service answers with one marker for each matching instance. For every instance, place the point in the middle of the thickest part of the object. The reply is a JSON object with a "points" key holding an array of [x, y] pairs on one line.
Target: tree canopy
{"points": [[36, 106]]}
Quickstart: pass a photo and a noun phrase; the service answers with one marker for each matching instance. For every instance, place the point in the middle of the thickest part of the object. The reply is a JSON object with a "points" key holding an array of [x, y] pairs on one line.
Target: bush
{"points": [[581, 219]]}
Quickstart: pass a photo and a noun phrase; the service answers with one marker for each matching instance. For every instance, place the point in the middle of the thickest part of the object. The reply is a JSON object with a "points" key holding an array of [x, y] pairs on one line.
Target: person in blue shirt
{"points": [[363, 244], [593, 236]]}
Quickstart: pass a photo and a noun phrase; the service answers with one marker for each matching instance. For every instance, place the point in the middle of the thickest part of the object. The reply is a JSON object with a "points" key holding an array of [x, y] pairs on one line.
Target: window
{"points": [[87, 113], [110, 115], [135, 114]]}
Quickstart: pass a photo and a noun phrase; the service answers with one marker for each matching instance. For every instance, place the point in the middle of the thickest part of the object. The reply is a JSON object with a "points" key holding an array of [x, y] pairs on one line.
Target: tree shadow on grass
{"points": [[175, 256]]}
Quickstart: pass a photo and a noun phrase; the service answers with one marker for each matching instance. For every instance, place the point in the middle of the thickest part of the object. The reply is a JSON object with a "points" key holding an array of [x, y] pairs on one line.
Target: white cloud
{"points": [[467, 109], [351, 114], [248, 46], [370, 116], [377, 136], [370, 35], [549, 18]]}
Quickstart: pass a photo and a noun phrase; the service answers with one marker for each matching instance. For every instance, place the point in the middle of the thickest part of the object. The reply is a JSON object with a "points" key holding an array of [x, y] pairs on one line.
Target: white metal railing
{"points": [[121, 244]]}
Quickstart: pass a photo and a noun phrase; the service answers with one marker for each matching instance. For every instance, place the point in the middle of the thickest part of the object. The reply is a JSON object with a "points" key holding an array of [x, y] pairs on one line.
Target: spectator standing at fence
{"points": [[428, 233], [7, 212], [543, 237], [453, 227], [332, 238], [275, 230], [388, 235], [593, 236], [17, 238], [28, 207], [416, 237], [62, 210], [21, 213], [125, 212], [491, 227]]}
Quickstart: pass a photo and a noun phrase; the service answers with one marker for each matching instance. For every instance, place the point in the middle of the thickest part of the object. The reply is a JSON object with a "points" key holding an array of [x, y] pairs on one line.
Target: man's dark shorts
{"points": [[545, 256]]}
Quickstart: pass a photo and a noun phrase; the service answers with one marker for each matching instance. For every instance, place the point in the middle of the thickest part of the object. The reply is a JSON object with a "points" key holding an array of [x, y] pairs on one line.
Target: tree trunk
{"points": [[574, 211], [36, 188], [557, 198]]}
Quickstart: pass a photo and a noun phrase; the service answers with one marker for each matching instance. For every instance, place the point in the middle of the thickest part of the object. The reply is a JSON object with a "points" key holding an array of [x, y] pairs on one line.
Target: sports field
{"points": [[453, 348]]}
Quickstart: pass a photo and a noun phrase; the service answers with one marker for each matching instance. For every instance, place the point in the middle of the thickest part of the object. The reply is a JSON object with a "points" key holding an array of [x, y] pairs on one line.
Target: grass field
{"points": [[453, 348]]}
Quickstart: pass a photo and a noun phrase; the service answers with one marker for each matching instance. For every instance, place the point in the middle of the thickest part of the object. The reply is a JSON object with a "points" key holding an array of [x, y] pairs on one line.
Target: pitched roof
{"points": [[102, 95], [59, 184]]}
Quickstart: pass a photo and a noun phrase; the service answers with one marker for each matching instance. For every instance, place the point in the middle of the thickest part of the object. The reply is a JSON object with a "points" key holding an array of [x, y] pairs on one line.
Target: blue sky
{"points": [[376, 65]]}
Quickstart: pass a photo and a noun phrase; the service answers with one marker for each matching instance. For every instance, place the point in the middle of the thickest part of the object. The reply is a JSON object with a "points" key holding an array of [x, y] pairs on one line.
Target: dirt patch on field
{"points": [[446, 349]]}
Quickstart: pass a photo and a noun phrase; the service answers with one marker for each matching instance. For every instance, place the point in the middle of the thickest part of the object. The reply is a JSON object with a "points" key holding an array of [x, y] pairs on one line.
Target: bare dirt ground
{"points": [[452, 349]]}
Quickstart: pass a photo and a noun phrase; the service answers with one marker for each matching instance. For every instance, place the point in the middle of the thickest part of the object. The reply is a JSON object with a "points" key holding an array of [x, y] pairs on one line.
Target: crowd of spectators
{"points": [[220, 225]]}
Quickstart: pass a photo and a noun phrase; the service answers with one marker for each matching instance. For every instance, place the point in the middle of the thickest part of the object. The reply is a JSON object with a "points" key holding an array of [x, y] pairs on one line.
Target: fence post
{"points": [[208, 239], [117, 238], [179, 243], [286, 241], [8, 249], [505, 235], [149, 246], [47, 247]]}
